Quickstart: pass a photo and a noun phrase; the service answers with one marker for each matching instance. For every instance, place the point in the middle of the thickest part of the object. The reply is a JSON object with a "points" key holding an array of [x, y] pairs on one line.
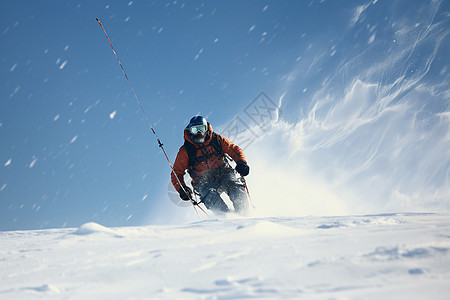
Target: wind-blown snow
{"points": [[8, 162], [391, 256], [373, 137], [13, 67], [33, 162], [63, 65], [113, 115]]}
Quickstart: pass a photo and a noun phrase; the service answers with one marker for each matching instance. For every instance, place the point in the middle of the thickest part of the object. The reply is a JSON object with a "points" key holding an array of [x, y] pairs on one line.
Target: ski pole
{"points": [[228, 159], [194, 203], [248, 193]]}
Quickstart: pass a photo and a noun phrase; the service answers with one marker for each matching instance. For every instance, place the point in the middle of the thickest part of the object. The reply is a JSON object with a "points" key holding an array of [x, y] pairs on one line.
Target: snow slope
{"points": [[390, 256]]}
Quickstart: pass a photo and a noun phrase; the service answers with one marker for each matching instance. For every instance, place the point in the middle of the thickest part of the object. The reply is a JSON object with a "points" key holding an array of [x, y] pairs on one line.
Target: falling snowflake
{"points": [[63, 65], [8, 162], [33, 162]]}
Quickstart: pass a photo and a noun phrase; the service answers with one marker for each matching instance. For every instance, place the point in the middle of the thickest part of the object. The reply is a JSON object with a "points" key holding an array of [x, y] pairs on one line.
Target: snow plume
{"points": [[280, 182], [373, 138]]}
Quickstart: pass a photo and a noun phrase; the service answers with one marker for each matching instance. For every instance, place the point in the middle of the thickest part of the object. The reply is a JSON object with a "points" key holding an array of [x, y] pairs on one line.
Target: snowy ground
{"points": [[392, 256]]}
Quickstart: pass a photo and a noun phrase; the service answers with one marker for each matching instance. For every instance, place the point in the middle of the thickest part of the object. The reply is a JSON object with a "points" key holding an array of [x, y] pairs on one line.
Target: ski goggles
{"points": [[198, 128]]}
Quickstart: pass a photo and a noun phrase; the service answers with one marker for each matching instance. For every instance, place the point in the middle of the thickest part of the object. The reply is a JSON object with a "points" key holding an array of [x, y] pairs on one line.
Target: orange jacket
{"points": [[209, 163]]}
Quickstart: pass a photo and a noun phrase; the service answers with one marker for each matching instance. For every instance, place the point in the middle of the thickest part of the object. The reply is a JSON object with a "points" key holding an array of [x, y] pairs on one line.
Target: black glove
{"points": [[242, 168], [185, 193]]}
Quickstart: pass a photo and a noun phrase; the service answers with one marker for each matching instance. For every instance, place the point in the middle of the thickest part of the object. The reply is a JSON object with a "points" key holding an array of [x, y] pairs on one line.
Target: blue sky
{"points": [[76, 147]]}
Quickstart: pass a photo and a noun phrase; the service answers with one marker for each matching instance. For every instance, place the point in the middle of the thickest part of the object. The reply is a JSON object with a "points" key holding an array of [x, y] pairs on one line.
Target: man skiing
{"points": [[205, 156]]}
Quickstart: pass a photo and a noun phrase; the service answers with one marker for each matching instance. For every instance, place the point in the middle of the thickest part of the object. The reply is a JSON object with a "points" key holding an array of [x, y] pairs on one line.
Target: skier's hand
{"points": [[185, 193], [242, 168]]}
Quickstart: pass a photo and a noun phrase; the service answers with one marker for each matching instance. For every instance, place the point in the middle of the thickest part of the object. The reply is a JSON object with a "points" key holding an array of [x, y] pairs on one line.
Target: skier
{"points": [[205, 156]]}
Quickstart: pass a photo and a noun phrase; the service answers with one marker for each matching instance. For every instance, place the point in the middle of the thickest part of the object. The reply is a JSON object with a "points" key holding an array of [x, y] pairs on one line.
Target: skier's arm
{"points": [[180, 166], [232, 150]]}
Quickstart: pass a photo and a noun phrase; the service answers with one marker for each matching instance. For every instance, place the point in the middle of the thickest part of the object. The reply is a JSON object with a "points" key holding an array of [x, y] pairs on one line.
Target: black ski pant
{"points": [[222, 180]]}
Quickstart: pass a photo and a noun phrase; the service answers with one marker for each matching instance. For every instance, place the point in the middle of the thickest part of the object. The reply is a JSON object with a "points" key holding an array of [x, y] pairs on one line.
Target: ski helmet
{"points": [[197, 120], [197, 128]]}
